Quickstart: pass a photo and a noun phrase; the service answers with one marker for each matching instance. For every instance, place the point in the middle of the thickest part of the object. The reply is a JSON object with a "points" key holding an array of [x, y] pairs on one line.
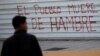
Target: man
{"points": [[21, 43]]}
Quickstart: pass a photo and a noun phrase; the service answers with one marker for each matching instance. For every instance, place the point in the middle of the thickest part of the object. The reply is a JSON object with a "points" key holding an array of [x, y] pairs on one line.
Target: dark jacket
{"points": [[21, 44]]}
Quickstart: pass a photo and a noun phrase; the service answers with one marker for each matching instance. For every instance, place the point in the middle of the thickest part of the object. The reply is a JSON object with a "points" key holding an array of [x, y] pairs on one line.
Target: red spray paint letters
{"points": [[47, 10], [21, 10], [77, 23], [82, 8], [36, 23]]}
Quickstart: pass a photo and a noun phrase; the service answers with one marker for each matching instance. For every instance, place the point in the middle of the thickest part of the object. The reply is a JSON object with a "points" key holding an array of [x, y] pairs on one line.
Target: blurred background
{"points": [[58, 24]]}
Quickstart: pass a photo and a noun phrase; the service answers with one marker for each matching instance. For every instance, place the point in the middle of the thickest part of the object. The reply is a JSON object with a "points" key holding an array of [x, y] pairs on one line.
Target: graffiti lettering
{"points": [[47, 10], [36, 23], [77, 23], [21, 10], [82, 8]]}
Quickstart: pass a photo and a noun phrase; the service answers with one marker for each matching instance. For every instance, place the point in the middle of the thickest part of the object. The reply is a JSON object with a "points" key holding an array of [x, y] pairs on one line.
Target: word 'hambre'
{"points": [[74, 23]]}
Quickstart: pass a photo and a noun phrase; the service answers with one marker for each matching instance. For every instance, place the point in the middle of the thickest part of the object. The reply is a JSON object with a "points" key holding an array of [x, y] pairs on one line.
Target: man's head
{"points": [[19, 23]]}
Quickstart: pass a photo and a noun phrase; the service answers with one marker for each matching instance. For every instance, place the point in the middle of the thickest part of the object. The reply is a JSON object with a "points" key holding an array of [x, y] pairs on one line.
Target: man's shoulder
{"points": [[13, 37], [8, 40], [23, 35], [30, 35]]}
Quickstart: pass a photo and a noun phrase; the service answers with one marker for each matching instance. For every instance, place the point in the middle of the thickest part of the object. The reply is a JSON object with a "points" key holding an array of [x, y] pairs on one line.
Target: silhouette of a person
{"points": [[21, 43]]}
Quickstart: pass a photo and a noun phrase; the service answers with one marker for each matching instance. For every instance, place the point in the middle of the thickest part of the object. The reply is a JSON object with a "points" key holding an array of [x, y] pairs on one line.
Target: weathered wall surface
{"points": [[53, 18]]}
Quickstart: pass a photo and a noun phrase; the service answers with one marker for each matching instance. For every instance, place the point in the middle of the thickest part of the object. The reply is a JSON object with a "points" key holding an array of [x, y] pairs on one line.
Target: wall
{"points": [[58, 19]]}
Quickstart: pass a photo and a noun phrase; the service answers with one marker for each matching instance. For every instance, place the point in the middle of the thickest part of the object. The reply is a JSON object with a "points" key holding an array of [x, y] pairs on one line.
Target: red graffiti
{"points": [[21, 10], [57, 24], [78, 23], [54, 23], [82, 8], [37, 24], [71, 23], [91, 28], [47, 10], [61, 23]]}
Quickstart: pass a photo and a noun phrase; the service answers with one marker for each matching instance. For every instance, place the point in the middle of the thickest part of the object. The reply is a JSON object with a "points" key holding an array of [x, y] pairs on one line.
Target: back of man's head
{"points": [[18, 20]]}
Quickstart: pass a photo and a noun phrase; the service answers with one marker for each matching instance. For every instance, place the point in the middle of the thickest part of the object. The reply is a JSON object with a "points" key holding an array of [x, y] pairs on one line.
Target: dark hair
{"points": [[17, 20]]}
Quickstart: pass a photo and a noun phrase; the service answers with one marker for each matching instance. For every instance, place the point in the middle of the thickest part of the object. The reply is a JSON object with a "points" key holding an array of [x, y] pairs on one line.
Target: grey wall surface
{"points": [[40, 18]]}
